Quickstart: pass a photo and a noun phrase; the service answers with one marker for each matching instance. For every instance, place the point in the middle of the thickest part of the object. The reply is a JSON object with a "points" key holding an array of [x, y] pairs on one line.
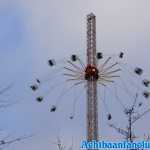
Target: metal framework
{"points": [[92, 104]]}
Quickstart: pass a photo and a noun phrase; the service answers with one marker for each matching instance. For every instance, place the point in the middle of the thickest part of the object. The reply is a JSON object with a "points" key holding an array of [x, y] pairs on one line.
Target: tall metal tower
{"points": [[91, 75]]}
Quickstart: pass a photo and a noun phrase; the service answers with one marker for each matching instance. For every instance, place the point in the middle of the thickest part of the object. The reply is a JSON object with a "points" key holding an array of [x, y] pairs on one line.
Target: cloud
{"points": [[57, 28]]}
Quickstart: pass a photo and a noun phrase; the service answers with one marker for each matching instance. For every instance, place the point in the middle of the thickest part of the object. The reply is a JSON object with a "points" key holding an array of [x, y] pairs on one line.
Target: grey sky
{"points": [[31, 31]]}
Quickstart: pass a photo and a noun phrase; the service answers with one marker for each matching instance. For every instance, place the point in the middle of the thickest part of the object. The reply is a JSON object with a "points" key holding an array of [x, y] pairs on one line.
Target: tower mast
{"points": [[92, 76]]}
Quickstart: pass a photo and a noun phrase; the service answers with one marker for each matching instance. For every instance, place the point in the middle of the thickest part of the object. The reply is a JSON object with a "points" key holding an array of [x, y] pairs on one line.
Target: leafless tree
{"points": [[60, 145], [5, 141]]}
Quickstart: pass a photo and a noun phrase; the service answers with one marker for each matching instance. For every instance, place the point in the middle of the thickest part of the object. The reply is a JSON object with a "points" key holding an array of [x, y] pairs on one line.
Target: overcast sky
{"points": [[32, 31]]}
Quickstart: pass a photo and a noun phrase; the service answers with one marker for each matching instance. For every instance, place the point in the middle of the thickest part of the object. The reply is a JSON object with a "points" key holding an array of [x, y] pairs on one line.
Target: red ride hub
{"points": [[91, 73]]}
